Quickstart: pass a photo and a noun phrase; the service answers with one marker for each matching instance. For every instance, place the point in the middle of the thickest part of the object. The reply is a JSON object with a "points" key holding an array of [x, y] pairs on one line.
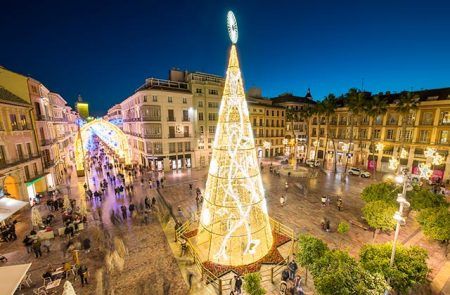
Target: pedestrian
{"points": [[46, 244], [286, 186], [37, 248], [87, 245], [238, 284], [131, 208], [328, 200], [28, 242], [83, 273], [153, 201], [282, 201], [147, 203], [124, 211], [339, 204], [292, 268], [190, 186], [323, 200]]}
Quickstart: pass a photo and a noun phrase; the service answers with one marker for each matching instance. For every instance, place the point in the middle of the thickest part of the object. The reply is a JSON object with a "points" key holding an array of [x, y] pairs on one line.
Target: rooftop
{"points": [[160, 84], [10, 98]]}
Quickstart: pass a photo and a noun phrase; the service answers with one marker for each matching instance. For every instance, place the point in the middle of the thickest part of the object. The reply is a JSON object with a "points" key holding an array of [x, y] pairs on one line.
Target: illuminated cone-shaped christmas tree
{"points": [[234, 225]]}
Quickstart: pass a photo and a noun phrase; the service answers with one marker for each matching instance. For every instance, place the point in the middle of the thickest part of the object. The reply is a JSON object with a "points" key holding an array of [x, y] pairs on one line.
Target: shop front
{"points": [[36, 186], [156, 163]]}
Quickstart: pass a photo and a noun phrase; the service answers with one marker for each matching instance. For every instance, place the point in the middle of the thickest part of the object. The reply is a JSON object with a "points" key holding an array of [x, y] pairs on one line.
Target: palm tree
{"points": [[305, 114], [404, 105], [318, 111], [329, 107], [377, 106], [356, 101]]}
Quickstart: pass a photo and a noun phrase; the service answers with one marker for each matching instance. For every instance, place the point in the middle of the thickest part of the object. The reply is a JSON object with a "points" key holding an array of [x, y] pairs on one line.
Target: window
{"points": [[200, 104], [424, 136], [184, 100], [19, 152], [260, 122], [213, 105], [445, 118], [35, 169], [152, 130], [158, 148], [444, 137], [211, 129], [27, 172], [186, 131], [379, 120], [212, 116], [202, 129], [171, 147], [29, 149], [23, 122], [171, 117], [187, 146], [362, 133], [155, 98], [376, 134], [198, 90], [145, 98], [169, 99], [254, 121], [213, 92], [427, 118], [185, 115], [200, 116], [171, 131], [2, 156], [151, 113], [13, 119], [390, 134]]}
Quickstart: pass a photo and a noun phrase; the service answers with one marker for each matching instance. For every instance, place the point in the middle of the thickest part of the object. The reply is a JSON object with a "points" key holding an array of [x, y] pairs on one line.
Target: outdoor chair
{"points": [[40, 291], [26, 281], [46, 281]]}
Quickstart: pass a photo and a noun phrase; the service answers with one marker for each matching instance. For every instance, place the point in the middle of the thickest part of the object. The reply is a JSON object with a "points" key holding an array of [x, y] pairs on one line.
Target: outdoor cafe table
{"points": [[57, 272], [53, 284]]}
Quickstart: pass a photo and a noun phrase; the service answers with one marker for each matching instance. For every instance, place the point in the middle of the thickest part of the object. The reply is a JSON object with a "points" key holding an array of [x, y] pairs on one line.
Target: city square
{"points": [[199, 184]]}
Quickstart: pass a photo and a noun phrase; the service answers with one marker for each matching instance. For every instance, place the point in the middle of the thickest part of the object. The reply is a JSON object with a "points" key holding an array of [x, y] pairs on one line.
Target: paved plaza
{"points": [[153, 262]]}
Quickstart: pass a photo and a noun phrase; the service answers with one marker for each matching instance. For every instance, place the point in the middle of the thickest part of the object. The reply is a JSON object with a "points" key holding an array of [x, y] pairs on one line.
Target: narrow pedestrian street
{"points": [[149, 264]]}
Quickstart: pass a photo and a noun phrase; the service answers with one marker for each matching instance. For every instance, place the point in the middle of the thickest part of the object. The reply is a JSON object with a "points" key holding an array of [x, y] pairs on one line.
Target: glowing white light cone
{"points": [[234, 225]]}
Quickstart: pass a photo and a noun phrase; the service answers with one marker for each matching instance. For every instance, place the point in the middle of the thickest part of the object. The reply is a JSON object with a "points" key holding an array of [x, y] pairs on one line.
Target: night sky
{"points": [[105, 50]]}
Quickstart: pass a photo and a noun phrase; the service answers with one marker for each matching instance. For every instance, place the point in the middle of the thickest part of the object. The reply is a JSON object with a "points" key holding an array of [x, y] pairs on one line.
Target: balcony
{"points": [[62, 120], [171, 135], [186, 134], [171, 119], [18, 161], [41, 117], [151, 136], [426, 123], [186, 119], [150, 119], [49, 164], [46, 142]]}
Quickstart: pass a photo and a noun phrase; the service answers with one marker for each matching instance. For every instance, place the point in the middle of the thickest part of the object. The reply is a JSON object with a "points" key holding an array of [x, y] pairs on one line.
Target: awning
{"points": [[8, 207], [11, 277], [36, 179]]}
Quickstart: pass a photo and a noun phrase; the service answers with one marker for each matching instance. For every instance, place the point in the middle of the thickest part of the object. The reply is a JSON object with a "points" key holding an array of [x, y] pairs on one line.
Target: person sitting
{"points": [[3, 258]]}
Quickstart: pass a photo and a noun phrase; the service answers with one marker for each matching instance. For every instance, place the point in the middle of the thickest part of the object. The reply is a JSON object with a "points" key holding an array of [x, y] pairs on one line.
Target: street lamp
{"points": [[398, 216]]}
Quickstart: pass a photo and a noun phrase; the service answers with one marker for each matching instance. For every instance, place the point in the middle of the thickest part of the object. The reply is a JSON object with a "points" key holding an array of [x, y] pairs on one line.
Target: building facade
{"points": [[36, 135], [114, 115], [376, 141], [158, 119]]}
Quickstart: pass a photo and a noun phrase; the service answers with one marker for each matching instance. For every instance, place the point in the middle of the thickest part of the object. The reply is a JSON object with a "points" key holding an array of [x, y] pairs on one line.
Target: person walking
{"points": [[292, 268], [282, 201], [131, 208], [28, 242], [37, 248], [286, 186], [323, 200], [339, 204], [238, 285], [124, 211], [83, 273]]}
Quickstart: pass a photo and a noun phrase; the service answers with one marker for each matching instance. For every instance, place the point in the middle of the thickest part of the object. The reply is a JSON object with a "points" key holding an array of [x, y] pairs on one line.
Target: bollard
{"points": [[271, 275]]}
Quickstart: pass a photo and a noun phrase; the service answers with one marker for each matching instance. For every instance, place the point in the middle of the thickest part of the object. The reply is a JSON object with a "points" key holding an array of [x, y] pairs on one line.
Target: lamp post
{"points": [[398, 216]]}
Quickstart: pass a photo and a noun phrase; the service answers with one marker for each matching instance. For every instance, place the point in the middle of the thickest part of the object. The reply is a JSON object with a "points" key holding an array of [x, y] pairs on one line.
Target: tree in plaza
{"points": [[379, 216], [329, 106], [336, 272], [409, 268], [355, 102], [309, 250], [406, 103], [383, 191], [68, 289], [304, 115], [319, 110], [376, 106], [424, 198], [435, 223], [252, 284]]}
